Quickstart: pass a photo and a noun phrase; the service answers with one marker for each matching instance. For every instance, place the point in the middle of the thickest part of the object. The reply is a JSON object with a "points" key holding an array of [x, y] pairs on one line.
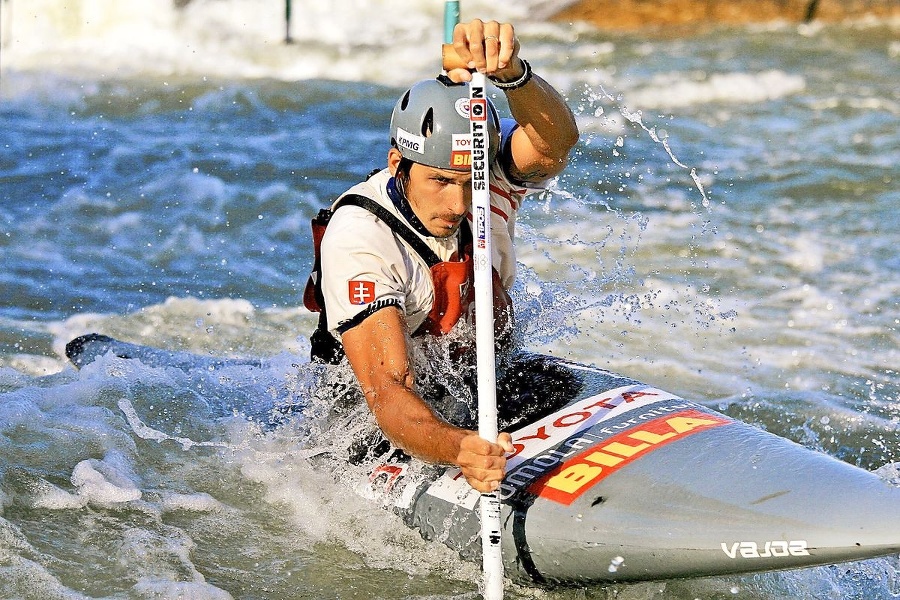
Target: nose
{"points": [[460, 199]]}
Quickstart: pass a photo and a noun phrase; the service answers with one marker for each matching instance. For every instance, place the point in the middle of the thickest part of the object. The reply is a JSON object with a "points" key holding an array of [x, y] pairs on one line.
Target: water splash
{"points": [[145, 432]]}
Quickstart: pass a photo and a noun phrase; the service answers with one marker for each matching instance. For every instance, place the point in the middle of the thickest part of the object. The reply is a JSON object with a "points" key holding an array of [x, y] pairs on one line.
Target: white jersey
{"points": [[365, 267]]}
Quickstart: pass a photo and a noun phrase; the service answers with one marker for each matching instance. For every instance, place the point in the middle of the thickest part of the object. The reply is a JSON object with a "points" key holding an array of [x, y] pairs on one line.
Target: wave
{"points": [[680, 89]]}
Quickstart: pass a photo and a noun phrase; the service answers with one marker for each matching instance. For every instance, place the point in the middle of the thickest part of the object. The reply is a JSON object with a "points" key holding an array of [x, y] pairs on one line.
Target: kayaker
{"points": [[393, 262]]}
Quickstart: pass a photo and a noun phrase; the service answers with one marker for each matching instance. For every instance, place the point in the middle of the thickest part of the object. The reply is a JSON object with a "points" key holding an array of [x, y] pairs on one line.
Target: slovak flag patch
{"points": [[361, 292]]}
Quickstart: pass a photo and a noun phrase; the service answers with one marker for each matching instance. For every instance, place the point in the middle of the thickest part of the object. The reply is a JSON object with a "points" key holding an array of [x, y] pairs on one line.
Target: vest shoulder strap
{"points": [[396, 225]]}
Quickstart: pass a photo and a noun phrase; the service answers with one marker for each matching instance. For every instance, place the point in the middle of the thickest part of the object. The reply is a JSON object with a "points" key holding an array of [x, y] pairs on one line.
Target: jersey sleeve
{"points": [[506, 199], [363, 270]]}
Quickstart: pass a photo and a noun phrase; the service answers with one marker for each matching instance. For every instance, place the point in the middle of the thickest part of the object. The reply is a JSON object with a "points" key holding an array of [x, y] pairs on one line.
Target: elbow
{"points": [[569, 136], [571, 140], [555, 160], [383, 394], [564, 140]]}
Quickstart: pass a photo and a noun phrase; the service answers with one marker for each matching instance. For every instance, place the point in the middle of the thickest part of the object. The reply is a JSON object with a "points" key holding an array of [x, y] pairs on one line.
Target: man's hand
{"points": [[483, 464], [488, 47]]}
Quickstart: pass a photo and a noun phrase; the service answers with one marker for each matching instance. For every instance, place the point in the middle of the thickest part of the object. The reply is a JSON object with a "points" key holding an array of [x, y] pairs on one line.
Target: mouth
{"points": [[450, 221], [447, 226]]}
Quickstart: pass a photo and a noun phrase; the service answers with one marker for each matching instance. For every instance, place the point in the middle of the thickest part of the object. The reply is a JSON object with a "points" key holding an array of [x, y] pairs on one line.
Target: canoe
{"points": [[627, 482]]}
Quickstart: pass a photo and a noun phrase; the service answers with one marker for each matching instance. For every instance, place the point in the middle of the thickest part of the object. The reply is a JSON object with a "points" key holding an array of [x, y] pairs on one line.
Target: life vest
{"points": [[454, 292]]}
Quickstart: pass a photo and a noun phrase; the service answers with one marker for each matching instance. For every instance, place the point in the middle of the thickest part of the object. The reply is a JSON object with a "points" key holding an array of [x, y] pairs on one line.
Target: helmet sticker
{"points": [[461, 151], [462, 141], [410, 141], [430, 125], [462, 108]]}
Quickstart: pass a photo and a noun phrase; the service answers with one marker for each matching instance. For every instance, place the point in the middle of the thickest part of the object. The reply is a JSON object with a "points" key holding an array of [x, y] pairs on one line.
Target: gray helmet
{"points": [[430, 125]]}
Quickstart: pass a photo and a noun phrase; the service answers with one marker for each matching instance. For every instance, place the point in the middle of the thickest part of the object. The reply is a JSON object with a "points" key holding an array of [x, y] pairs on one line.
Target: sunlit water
{"points": [[727, 230]]}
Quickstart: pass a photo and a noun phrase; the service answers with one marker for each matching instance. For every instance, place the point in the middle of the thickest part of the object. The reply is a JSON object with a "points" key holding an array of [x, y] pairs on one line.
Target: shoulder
{"points": [[506, 194], [357, 220], [354, 227], [508, 128], [374, 187]]}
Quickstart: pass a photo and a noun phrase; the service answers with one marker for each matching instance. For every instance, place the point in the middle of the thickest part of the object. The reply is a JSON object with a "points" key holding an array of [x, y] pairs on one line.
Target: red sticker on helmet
{"points": [[461, 159]]}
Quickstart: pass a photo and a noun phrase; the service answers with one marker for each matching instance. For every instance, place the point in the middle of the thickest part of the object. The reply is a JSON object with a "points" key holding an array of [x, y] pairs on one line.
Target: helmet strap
{"points": [[397, 194], [401, 175]]}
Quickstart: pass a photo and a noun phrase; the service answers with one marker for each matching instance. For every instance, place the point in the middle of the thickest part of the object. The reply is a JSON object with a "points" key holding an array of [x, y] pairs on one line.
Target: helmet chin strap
{"points": [[397, 194]]}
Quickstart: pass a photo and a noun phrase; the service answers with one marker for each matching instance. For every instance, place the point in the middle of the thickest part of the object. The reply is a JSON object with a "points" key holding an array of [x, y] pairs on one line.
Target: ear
{"points": [[393, 160]]}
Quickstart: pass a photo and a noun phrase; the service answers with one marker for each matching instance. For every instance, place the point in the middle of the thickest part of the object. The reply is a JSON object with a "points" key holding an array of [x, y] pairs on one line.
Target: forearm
{"points": [[377, 351], [409, 423]]}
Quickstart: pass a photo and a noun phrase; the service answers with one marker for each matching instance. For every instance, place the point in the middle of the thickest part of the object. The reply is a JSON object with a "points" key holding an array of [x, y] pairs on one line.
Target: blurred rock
{"points": [[636, 14]]}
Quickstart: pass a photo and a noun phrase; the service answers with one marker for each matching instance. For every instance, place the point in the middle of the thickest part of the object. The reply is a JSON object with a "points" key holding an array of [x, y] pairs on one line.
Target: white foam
{"points": [[145, 432], [29, 364], [323, 511], [19, 411], [104, 483], [48, 496], [807, 253], [24, 578], [150, 587], [348, 39], [212, 327], [679, 89], [198, 502]]}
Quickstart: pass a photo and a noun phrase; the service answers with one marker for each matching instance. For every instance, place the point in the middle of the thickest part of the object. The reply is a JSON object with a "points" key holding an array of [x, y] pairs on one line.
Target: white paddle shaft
{"points": [[479, 118]]}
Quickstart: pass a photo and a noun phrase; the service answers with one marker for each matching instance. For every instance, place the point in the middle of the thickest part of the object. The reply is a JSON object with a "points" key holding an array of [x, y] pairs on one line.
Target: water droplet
{"points": [[615, 563]]}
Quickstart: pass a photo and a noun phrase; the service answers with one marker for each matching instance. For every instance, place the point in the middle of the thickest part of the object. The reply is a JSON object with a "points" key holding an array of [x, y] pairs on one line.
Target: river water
{"points": [[727, 230]]}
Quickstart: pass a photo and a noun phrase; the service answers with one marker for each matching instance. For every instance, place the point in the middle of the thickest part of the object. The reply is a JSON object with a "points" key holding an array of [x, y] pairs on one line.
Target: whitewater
{"points": [[726, 230]]}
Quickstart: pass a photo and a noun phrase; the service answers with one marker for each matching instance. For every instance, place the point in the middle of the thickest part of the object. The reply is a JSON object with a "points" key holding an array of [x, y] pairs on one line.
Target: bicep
{"points": [[377, 350]]}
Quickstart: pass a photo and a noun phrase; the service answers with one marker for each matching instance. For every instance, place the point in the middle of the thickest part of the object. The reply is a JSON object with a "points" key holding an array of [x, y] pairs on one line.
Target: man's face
{"points": [[440, 198]]}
